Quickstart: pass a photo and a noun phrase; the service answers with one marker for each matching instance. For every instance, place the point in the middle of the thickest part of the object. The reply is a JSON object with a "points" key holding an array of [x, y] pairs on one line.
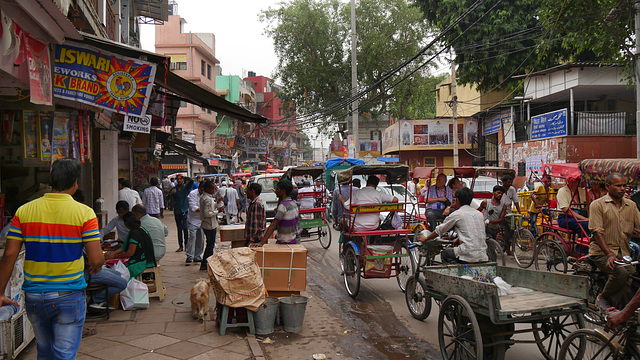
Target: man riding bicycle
{"points": [[469, 223]]}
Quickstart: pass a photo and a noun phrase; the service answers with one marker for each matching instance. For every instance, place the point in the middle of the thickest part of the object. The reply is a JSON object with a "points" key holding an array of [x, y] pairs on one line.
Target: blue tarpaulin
{"points": [[388, 159], [335, 162]]}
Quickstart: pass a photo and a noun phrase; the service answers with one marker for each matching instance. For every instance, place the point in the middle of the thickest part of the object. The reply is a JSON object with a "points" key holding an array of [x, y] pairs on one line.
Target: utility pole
{"points": [[636, 69], [354, 79], [454, 108]]}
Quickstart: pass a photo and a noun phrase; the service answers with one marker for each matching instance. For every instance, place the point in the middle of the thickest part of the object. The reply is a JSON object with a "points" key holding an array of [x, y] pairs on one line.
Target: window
{"points": [[208, 71], [376, 135], [429, 161], [183, 104], [182, 66], [202, 67]]}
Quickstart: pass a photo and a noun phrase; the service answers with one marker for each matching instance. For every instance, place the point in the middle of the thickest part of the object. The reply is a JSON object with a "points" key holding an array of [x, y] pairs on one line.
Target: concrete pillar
{"points": [[109, 170]]}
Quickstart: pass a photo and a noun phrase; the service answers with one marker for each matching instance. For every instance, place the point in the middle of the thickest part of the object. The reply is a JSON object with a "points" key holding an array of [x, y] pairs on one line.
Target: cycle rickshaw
{"points": [[375, 253], [313, 220]]}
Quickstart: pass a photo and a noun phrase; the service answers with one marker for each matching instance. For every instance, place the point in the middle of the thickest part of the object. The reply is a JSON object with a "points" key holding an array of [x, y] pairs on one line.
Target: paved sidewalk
{"points": [[166, 329]]}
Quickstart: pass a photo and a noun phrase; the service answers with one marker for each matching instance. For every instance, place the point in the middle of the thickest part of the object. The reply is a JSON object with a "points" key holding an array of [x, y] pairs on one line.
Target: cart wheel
{"points": [[588, 344], [458, 330], [418, 300], [351, 272], [524, 248], [407, 267], [595, 284], [324, 236], [550, 255], [341, 252], [494, 252], [551, 332]]}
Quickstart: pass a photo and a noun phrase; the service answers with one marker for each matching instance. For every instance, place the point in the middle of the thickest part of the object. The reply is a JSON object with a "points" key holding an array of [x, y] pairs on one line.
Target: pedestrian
{"points": [[195, 245], [232, 203], [127, 194], [153, 199], [286, 219], [196, 183], [242, 199], [166, 189], [256, 215], [122, 207], [180, 208], [209, 218], [157, 230], [54, 288]]}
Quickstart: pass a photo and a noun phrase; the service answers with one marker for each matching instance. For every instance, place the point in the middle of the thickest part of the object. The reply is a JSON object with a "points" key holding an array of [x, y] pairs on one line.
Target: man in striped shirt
{"points": [[153, 199], [286, 219], [55, 230]]}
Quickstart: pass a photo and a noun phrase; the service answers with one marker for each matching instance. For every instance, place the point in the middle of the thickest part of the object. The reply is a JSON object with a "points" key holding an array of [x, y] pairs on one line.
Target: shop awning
{"points": [[42, 19], [184, 89], [180, 146]]}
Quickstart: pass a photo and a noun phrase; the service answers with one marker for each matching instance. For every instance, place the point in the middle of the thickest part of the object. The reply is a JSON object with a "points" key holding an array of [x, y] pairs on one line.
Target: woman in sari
{"points": [[137, 248]]}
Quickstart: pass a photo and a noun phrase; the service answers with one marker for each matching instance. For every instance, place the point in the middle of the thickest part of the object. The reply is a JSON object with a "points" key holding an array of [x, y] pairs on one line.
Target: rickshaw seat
{"points": [[583, 241], [312, 210], [554, 225], [381, 232]]}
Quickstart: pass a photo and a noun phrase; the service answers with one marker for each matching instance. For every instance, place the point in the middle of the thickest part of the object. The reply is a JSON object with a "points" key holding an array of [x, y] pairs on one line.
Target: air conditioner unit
{"points": [[15, 334]]}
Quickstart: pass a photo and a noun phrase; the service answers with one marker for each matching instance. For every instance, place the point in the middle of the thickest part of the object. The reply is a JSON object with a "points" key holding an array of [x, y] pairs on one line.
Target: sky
{"points": [[240, 43]]}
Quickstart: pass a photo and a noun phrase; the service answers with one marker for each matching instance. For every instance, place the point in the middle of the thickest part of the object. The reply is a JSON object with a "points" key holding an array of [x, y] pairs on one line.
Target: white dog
{"points": [[200, 299]]}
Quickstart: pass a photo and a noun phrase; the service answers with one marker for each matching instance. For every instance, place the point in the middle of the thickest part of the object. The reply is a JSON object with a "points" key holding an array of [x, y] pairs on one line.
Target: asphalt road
{"points": [[380, 314]]}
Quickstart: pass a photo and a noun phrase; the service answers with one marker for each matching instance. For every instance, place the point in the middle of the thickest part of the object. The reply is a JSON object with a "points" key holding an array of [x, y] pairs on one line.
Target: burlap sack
{"points": [[235, 278]]}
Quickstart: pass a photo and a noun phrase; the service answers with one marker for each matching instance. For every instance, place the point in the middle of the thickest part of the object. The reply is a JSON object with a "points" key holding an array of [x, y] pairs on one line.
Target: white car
{"points": [[399, 191], [268, 194]]}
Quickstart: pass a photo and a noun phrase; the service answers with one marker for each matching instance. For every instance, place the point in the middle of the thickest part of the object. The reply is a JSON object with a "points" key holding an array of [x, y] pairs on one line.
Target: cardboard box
{"points": [[283, 267], [231, 232]]}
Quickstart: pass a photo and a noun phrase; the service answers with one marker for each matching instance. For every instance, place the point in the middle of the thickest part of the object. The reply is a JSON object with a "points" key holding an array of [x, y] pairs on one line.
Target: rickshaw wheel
{"points": [[407, 267], [494, 252], [524, 248], [351, 272], [595, 284], [550, 255], [588, 344], [551, 332], [324, 236], [417, 298], [458, 330]]}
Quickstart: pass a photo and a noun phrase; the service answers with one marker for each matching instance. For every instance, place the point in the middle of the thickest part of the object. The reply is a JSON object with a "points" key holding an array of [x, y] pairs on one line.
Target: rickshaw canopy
{"points": [[314, 171], [459, 172], [599, 169], [335, 162], [395, 174], [497, 171], [568, 171]]}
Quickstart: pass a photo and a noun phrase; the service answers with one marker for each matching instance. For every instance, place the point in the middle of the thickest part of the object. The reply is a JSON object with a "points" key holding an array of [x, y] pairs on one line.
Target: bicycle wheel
{"points": [[595, 284], [417, 298], [324, 236], [524, 247], [551, 332], [550, 256], [458, 330], [406, 267], [351, 272], [588, 344], [494, 252]]}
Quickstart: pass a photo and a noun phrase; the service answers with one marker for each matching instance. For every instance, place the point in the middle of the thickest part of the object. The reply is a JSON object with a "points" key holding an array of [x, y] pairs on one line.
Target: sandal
{"points": [[89, 332]]}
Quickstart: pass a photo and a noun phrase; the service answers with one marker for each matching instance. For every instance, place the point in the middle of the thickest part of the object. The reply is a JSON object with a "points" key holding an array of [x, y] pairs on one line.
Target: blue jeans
{"points": [[113, 279], [195, 245], [181, 225], [573, 224], [57, 319]]}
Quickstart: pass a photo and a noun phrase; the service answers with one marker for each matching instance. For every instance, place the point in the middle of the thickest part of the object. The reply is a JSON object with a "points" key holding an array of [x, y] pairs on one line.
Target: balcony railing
{"points": [[603, 123]]}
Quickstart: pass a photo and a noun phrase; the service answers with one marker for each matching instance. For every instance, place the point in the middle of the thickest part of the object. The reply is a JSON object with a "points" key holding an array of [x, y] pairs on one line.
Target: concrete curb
{"points": [[256, 350]]}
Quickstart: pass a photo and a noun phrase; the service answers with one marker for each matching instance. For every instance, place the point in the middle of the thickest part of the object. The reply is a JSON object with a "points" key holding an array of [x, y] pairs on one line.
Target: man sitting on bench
{"points": [[365, 196], [471, 245]]}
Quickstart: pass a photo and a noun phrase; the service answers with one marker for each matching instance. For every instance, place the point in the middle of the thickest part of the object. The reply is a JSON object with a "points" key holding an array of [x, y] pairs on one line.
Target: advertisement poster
{"points": [[406, 133], [421, 134], [86, 149], [439, 133], [39, 71], [74, 133], [60, 144], [471, 125], [460, 134], [9, 119], [46, 121], [30, 134], [100, 78]]}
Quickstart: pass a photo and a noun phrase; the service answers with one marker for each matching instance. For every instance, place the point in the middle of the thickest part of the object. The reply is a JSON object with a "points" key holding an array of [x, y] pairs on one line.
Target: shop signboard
{"points": [[492, 125], [100, 78], [137, 124], [549, 125], [39, 71], [250, 145]]}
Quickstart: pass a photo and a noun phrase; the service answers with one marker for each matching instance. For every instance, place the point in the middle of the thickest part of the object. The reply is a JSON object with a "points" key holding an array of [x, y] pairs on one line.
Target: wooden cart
{"points": [[476, 322]]}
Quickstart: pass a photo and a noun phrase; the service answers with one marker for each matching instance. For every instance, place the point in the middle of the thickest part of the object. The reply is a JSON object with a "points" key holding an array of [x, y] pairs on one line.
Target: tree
{"points": [[312, 41]]}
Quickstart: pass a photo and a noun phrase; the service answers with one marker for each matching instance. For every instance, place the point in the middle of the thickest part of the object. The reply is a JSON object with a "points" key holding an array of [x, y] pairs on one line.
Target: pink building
{"points": [[193, 58]]}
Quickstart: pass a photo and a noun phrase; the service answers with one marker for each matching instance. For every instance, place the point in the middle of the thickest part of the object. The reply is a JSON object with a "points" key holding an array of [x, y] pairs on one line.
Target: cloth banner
{"points": [[601, 124], [100, 78]]}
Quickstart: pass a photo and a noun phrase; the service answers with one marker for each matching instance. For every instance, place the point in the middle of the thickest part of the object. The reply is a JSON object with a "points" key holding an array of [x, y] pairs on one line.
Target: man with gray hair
{"points": [[153, 199]]}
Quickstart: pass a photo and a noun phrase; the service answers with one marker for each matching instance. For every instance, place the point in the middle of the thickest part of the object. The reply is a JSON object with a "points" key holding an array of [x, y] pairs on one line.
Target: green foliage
{"points": [[313, 43]]}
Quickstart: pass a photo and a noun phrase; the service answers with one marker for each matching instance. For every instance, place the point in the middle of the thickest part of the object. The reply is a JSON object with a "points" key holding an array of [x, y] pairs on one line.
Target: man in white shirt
{"points": [[232, 204], [155, 228], [122, 207], [471, 245], [368, 195], [195, 245], [306, 202], [127, 194], [153, 199]]}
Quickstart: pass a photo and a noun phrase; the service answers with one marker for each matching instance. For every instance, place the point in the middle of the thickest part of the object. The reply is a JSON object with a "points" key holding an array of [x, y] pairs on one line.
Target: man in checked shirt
{"points": [[256, 216], [153, 199]]}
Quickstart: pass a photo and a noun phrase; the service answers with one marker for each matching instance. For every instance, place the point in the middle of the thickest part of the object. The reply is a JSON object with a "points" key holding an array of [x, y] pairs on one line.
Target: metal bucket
{"points": [[292, 310], [265, 318]]}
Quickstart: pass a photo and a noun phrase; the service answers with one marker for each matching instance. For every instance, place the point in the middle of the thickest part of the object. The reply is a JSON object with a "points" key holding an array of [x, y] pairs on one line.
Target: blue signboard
{"points": [[549, 125], [492, 126]]}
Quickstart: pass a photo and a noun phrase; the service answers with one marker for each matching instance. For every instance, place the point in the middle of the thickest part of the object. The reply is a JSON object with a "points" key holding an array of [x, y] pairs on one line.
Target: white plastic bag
{"points": [[135, 296], [122, 269], [396, 222]]}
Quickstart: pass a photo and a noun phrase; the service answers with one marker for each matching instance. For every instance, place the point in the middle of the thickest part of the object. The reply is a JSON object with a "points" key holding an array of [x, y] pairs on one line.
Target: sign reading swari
{"points": [[117, 83]]}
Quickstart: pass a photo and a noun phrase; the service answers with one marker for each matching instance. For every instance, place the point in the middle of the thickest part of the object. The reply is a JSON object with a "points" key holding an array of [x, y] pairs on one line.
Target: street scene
{"points": [[319, 179]]}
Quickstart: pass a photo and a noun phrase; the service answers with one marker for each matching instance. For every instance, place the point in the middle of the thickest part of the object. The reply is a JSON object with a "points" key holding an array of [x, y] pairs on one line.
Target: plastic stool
{"points": [[157, 279], [224, 319]]}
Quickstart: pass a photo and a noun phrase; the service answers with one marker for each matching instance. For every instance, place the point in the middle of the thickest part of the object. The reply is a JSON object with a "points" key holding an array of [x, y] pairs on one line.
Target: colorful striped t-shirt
{"points": [[54, 229], [289, 225]]}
